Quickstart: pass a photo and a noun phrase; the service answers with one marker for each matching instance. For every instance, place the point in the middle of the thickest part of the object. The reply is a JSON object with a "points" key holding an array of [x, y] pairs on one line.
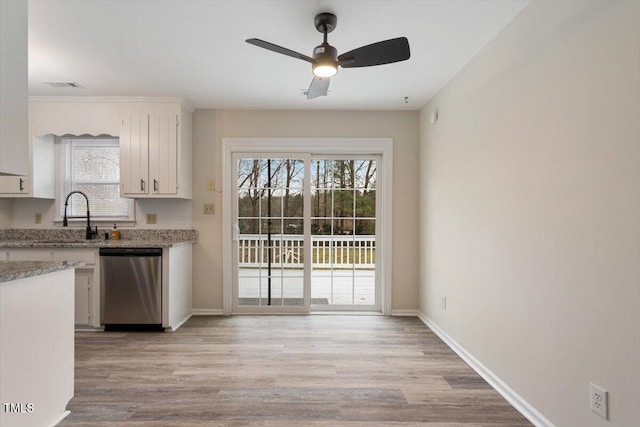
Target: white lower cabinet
{"points": [[86, 295], [176, 281], [36, 331], [86, 303], [84, 288], [176, 285]]}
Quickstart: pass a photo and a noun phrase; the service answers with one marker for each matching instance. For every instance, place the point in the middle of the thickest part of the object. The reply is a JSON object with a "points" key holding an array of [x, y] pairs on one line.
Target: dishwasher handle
{"points": [[141, 252]]}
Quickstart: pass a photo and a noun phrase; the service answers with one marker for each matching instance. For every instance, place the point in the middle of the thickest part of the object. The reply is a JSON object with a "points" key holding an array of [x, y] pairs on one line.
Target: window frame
{"points": [[61, 194]]}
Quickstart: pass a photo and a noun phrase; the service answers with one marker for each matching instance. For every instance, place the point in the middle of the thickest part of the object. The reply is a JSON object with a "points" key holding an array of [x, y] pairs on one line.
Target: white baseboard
{"points": [[521, 405], [345, 313], [404, 312], [207, 312], [85, 328]]}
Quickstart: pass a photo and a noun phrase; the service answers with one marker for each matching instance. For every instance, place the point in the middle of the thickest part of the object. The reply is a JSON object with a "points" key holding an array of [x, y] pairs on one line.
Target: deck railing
{"points": [[337, 252]]}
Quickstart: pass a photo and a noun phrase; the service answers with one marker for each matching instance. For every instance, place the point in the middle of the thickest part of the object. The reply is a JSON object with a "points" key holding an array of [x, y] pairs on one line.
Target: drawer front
{"points": [[88, 256], [30, 255]]}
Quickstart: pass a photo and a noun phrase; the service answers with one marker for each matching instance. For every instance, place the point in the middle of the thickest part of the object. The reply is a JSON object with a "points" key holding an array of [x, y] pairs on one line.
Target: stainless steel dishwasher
{"points": [[131, 288]]}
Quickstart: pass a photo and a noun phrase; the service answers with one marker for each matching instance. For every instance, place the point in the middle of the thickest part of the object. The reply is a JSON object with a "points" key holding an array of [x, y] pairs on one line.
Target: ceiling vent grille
{"points": [[64, 84]]}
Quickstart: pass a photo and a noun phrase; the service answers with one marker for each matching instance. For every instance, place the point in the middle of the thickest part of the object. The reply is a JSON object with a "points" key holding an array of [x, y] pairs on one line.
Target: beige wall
{"points": [[211, 126], [171, 214], [6, 207], [530, 208]]}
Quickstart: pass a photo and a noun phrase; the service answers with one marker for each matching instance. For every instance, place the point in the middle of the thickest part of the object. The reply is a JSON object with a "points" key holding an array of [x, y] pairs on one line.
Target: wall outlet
{"points": [[152, 218], [38, 218], [209, 209], [444, 303], [599, 400], [211, 185]]}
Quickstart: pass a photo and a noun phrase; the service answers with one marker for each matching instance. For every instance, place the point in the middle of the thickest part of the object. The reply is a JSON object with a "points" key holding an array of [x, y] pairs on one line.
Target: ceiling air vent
{"points": [[64, 84]]}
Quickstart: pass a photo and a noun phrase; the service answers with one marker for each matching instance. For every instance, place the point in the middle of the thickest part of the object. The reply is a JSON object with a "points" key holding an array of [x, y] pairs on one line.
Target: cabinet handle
{"points": [[21, 184], [155, 185], [141, 184]]}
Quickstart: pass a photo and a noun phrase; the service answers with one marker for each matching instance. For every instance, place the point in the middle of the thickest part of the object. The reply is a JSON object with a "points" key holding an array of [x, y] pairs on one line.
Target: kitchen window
{"points": [[92, 165]]}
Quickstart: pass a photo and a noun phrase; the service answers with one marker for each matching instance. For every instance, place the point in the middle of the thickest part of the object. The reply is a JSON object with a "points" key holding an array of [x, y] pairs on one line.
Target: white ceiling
{"points": [[195, 49]]}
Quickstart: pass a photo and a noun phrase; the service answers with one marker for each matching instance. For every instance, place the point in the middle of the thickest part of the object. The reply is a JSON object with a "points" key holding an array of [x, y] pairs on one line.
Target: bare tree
{"points": [[369, 175], [291, 172]]}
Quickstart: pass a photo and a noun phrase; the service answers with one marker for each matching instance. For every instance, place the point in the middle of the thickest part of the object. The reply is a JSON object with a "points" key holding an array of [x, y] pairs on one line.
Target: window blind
{"points": [[92, 165]]}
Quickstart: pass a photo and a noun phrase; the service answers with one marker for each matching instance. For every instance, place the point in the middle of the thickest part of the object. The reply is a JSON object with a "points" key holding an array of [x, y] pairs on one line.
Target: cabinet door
{"points": [[163, 153], [84, 285], [40, 181], [83, 280], [14, 87], [13, 185], [134, 154]]}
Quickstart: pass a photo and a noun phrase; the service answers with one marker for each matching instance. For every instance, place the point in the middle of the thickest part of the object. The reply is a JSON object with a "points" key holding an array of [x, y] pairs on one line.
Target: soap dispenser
{"points": [[115, 233]]}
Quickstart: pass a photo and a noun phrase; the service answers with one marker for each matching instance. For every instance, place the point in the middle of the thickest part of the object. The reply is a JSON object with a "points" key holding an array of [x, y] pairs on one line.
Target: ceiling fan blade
{"points": [[384, 52], [279, 49], [318, 87]]}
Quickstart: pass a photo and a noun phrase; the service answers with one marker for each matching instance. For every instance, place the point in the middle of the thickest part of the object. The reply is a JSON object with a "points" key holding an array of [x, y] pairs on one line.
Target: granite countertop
{"points": [[14, 270], [56, 238]]}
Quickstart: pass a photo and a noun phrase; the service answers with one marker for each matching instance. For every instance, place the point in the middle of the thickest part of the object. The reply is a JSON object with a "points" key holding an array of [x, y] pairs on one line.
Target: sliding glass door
{"points": [[270, 235], [305, 233], [343, 234]]}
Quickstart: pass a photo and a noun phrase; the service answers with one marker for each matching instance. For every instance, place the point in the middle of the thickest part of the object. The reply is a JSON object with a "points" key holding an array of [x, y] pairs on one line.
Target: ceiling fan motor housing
{"points": [[325, 56], [325, 53]]}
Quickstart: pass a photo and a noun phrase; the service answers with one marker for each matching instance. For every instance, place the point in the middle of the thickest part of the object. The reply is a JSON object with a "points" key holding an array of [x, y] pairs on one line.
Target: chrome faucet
{"points": [[89, 232]]}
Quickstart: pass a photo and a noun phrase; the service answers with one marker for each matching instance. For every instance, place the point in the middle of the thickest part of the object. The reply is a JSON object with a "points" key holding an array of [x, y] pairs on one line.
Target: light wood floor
{"points": [[275, 371]]}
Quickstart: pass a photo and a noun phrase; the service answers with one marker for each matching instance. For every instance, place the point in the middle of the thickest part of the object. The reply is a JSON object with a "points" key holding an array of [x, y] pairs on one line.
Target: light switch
{"points": [[211, 185], [152, 218]]}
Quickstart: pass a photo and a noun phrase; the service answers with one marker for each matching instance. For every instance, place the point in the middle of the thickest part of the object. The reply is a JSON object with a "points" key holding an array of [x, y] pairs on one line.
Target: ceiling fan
{"points": [[325, 60]]}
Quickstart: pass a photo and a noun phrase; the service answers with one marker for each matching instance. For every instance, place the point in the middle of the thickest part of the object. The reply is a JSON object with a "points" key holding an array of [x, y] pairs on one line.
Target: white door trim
{"points": [[381, 146]]}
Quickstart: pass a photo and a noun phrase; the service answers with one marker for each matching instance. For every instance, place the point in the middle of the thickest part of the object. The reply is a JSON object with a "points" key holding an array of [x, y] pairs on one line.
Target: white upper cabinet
{"points": [[155, 151], [134, 153], [163, 152], [14, 127], [40, 181], [13, 184], [154, 136]]}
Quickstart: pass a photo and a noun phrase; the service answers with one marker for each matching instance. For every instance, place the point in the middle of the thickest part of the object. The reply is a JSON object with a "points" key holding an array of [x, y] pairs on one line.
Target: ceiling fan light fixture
{"points": [[325, 60], [324, 70]]}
